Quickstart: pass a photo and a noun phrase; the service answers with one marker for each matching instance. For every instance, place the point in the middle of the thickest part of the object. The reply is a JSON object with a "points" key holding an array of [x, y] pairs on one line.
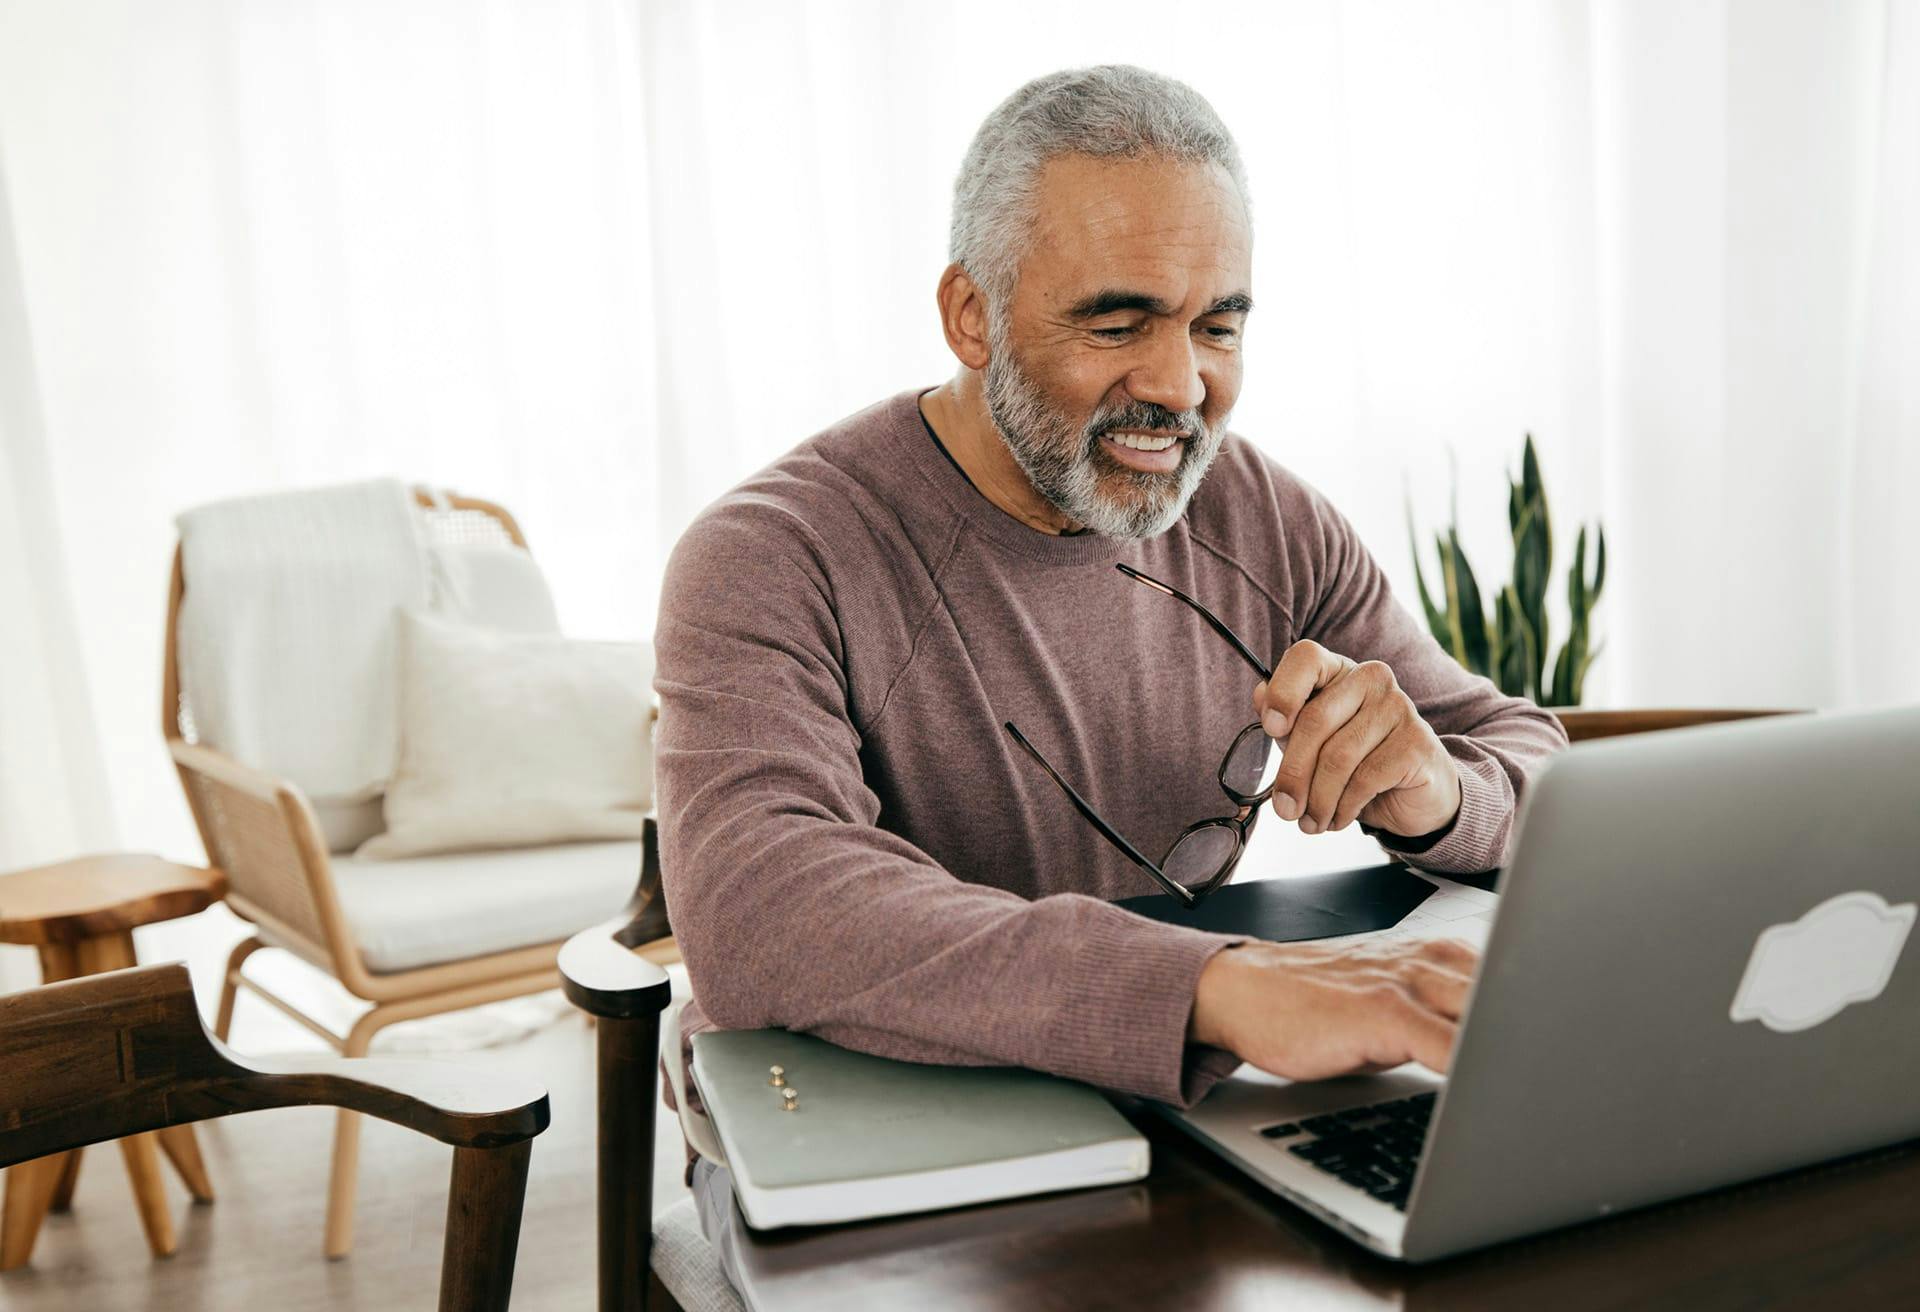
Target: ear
{"points": [[963, 317]]}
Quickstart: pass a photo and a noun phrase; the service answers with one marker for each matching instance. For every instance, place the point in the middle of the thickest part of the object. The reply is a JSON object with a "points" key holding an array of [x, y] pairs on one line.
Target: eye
{"points": [[1220, 332], [1113, 334]]}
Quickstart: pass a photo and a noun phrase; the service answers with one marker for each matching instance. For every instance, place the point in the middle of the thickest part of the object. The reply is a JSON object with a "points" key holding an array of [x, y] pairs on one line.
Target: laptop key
{"points": [[1283, 1131]]}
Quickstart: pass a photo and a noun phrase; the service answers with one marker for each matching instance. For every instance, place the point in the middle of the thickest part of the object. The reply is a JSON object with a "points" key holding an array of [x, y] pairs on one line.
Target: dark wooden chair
{"points": [[626, 994], [602, 976], [124, 1053]]}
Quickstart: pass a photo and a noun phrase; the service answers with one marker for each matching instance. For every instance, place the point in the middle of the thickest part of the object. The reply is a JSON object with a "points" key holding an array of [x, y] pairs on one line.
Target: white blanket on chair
{"points": [[287, 630]]}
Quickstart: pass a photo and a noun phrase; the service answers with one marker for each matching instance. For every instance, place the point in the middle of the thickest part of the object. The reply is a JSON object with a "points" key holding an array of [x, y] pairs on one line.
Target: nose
{"points": [[1168, 376]]}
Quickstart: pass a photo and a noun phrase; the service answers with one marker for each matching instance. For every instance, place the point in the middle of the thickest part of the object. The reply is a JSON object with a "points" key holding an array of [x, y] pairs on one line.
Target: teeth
{"points": [[1138, 442]]}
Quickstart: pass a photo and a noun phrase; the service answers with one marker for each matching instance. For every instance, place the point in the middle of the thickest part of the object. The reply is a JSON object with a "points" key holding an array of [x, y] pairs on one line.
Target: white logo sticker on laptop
{"points": [[1808, 970]]}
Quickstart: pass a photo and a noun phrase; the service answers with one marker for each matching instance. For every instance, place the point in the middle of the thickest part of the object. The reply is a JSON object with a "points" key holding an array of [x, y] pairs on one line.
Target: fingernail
{"points": [[1284, 803], [1309, 826], [1275, 724]]}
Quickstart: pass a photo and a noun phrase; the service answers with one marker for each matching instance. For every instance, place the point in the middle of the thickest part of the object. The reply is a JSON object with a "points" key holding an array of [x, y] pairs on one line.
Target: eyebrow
{"points": [[1113, 300]]}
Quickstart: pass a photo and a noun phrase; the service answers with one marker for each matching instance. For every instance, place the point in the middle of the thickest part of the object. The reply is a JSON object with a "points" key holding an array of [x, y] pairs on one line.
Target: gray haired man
{"points": [[855, 846]]}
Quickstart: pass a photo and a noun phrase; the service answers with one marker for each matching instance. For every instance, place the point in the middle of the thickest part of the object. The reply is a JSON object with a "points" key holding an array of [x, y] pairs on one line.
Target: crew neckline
{"points": [[931, 457]]}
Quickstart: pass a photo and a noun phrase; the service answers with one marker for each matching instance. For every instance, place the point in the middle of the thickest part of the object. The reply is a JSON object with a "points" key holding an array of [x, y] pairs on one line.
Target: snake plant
{"points": [[1511, 648]]}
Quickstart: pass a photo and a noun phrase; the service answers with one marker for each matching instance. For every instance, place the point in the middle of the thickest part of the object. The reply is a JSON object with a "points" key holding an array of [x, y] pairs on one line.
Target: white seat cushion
{"points": [[687, 1264], [427, 910]]}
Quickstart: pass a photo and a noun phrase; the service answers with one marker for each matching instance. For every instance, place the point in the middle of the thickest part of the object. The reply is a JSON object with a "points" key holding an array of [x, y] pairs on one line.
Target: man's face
{"points": [[1115, 369]]}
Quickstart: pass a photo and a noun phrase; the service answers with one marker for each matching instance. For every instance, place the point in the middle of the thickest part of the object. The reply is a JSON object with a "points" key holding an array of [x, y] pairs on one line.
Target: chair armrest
{"points": [[598, 968], [125, 1052], [261, 830], [221, 768], [461, 1105], [602, 976]]}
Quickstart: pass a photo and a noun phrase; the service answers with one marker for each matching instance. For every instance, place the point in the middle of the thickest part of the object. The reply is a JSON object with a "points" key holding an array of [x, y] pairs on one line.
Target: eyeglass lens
{"points": [[1197, 858], [1251, 765]]}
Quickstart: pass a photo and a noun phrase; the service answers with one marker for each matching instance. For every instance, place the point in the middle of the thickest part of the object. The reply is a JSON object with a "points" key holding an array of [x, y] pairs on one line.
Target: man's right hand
{"points": [[1308, 1011]]}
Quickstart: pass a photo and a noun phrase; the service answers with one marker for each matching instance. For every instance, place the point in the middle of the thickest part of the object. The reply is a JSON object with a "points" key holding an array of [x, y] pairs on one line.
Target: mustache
{"points": [[1145, 414]]}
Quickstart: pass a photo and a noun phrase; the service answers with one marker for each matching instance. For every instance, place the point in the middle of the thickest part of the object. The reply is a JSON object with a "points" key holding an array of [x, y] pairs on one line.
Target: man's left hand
{"points": [[1354, 747]]}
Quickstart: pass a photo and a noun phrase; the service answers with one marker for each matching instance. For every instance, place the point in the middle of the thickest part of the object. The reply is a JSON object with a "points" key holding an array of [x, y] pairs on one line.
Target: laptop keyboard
{"points": [[1374, 1148]]}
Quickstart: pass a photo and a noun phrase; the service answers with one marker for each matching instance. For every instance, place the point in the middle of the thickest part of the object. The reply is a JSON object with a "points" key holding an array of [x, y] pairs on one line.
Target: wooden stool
{"points": [[81, 915]]}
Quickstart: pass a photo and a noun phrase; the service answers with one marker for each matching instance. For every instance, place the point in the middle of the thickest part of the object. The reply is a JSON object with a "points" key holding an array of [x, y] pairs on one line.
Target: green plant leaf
{"points": [[1600, 568], [1531, 559], [1577, 580], [1580, 678], [1562, 693], [1470, 617], [1454, 641], [1436, 618], [1539, 550], [1513, 646]]}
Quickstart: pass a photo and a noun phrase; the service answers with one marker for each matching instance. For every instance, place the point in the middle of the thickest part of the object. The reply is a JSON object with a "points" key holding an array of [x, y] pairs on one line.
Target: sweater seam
{"points": [[1225, 557], [920, 628]]}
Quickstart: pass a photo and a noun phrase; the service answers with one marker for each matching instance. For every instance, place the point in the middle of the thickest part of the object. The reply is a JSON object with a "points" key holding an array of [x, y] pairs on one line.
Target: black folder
{"points": [[1288, 910]]}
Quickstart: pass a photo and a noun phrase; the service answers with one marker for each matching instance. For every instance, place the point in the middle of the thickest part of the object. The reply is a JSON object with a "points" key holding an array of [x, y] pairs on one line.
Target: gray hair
{"points": [[1113, 111]]}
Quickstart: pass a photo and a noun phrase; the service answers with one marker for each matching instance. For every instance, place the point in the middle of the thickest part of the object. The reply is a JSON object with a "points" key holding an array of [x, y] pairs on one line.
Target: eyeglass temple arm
{"points": [[1218, 625], [1107, 831]]}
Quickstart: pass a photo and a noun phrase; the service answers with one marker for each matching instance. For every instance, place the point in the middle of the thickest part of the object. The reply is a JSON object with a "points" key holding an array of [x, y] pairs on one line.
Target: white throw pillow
{"points": [[495, 585], [516, 740]]}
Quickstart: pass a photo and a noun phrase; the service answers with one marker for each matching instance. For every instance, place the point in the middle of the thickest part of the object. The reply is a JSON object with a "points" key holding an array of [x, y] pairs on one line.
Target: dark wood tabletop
{"points": [[1198, 1235]]}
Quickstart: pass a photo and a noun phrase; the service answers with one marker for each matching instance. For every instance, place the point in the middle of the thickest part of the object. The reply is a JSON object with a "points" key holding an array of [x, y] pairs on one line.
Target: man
{"points": [[852, 843]]}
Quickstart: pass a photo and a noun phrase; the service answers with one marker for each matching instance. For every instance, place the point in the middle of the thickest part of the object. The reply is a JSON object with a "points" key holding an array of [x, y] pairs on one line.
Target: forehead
{"points": [[1173, 228]]}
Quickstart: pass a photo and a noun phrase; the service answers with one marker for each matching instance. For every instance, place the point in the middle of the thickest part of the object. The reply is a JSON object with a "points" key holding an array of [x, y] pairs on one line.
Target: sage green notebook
{"points": [[873, 1137]]}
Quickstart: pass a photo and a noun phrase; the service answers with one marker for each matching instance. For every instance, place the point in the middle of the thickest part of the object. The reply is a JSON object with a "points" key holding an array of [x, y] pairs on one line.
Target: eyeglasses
{"points": [[1203, 857]]}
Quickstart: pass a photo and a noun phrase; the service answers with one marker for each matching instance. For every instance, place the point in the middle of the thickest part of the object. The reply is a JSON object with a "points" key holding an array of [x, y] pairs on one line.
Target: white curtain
{"points": [[54, 799], [601, 260]]}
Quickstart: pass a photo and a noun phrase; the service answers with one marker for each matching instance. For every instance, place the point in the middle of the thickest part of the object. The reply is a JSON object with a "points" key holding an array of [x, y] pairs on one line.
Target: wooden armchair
{"points": [[605, 973], [124, 1053], [263, 832]]}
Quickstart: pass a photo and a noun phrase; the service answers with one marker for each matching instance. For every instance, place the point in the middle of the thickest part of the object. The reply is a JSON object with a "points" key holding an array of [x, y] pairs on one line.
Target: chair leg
{"points": [[30, 1187], [484, 1202], [183, 1150], [69, 1177], [230, 985], [629, 1060], [346, 1145], [149, 1192]]}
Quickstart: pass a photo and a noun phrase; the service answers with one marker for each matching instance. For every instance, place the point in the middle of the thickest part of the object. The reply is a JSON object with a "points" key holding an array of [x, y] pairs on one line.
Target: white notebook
{"points": [[871, 1137]]}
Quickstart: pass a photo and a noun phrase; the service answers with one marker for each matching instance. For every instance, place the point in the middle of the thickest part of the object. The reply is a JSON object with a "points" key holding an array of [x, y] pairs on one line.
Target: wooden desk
{"points": [[1199, 1237]]}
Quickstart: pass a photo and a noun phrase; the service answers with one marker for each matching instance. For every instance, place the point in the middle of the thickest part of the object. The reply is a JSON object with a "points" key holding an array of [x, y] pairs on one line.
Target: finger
{"points": [[1438, 988], [1323, 715], [1353, 744], [1304, 669], [1453, 953], [1385, 768], [1428, 1036]]}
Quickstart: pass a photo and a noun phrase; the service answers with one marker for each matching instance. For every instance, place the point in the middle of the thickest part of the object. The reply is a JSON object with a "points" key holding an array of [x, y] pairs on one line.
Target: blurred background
{"points": [[601, 260]]}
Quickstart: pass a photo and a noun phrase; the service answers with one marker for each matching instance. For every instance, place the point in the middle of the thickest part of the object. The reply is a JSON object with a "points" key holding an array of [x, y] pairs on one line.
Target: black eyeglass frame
{"points": [[1249, 803]]}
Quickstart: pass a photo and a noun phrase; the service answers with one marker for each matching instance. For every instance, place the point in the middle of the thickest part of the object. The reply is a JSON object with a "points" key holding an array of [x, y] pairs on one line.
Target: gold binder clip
{"points": [[789, 1100], [779, 1080]]}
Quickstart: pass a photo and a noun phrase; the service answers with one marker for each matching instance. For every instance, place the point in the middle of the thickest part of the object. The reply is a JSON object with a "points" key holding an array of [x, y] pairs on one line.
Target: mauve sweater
{"points": [[852, 845]]}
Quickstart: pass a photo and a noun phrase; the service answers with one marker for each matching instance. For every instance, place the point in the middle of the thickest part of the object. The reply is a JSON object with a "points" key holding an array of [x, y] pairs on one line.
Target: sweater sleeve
{"points": [[793, 908], [1497, 741]]}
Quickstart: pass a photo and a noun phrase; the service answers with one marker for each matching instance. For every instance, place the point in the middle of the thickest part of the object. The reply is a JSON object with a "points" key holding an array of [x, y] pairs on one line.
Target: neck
{"points": [[957, 412]]}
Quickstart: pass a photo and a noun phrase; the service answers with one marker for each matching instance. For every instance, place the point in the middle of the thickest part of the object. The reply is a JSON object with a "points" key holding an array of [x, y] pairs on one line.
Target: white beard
{"points": [[1064, 462]]}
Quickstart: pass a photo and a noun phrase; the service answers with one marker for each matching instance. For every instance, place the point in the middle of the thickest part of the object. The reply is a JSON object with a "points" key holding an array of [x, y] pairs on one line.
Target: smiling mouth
{"points": [[1144, 441]]}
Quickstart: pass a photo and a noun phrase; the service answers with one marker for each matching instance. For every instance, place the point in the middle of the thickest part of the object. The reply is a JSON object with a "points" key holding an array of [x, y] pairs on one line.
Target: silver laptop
{"points": [[1698, 972]]}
